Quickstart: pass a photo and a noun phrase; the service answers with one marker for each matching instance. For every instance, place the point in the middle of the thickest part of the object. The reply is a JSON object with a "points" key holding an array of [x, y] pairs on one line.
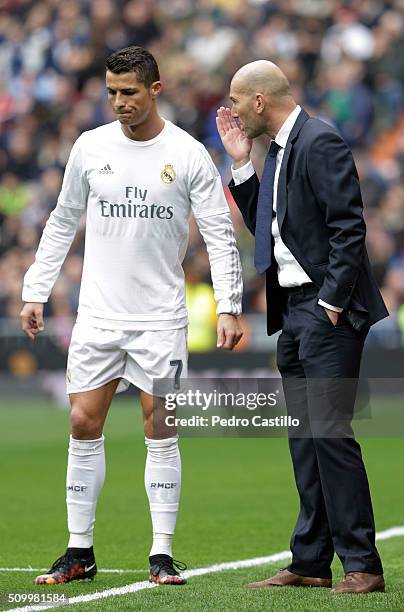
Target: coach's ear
{"points": [[259, 103], [155, 89]]}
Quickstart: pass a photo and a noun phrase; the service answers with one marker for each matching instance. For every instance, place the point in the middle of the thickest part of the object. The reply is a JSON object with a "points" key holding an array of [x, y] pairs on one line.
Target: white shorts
{"points": [[97, 356]]}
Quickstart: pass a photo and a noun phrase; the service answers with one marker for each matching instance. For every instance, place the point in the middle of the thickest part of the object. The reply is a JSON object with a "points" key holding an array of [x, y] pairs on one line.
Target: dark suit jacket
{"points": [[319, 211]]}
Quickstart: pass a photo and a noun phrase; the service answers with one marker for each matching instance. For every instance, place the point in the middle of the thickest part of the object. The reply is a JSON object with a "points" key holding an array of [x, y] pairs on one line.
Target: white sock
{"points": [[85, 477], [163, 486]]}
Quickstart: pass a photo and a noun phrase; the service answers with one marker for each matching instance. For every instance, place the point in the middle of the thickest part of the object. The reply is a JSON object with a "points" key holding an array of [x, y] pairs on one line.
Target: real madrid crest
{"points": [[168, 174]]}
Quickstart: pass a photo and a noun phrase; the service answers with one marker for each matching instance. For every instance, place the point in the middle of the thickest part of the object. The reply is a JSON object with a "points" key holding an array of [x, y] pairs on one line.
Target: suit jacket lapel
{"points": [[281, 202]]}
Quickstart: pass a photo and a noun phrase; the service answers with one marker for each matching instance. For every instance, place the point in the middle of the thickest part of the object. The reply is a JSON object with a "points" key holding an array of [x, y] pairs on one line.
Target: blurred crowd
{"points": [[344, 59]]}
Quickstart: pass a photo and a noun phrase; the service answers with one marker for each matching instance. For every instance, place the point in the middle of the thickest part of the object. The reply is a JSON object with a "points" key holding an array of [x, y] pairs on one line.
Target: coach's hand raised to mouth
{"points": [[228, 331], [32, 319], [234, 138]]}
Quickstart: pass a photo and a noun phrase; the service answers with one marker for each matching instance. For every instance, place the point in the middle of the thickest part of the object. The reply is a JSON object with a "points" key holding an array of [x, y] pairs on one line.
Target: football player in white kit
{"points": [[137, 180]]}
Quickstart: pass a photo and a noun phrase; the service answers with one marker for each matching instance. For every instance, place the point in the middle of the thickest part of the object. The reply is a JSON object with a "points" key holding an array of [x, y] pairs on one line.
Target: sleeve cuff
{"points": [[228, 307], [334, 308], [30, 297], [241, 175]]}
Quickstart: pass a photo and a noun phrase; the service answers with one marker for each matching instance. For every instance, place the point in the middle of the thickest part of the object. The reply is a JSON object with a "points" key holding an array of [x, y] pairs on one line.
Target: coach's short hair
{"points": [[134, 59]]}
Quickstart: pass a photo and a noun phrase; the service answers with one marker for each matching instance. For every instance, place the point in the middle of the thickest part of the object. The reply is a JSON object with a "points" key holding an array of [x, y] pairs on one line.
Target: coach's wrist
{"points": [[236, 164]]}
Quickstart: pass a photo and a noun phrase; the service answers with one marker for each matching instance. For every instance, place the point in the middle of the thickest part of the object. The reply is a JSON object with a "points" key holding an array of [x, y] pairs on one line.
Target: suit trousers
{"points": [[319, 365]]}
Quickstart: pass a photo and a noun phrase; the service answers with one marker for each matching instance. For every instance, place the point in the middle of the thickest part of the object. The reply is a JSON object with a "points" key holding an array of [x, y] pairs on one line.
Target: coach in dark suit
{"points": [[306, 216]]}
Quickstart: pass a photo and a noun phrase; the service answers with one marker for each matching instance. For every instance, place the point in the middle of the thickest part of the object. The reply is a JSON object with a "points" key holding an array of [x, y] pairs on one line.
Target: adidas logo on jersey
{"points": [[106, 170]]}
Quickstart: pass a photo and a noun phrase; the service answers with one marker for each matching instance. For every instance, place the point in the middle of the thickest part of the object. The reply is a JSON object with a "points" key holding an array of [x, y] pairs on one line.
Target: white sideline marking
{"points": [[100, 571], [393, 532]]}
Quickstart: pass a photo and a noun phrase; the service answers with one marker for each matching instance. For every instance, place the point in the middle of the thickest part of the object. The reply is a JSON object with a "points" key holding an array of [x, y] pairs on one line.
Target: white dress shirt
{"points": [[290, 272]]}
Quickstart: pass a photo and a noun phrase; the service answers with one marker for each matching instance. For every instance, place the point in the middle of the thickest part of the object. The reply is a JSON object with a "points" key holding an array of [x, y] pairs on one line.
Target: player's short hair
{"points": [[134, 59]]}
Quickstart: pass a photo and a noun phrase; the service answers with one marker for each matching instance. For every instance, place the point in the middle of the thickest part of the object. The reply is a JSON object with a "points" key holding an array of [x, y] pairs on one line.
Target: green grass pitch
{"points": [[238, 501]]}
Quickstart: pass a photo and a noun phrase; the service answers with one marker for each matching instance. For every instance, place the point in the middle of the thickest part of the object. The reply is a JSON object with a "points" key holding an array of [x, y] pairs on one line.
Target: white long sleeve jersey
{"points": [[137, 196]]}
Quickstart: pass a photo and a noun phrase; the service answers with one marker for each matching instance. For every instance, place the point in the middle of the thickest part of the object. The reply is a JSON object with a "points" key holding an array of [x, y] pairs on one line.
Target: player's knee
{"points": [[83, 425]]}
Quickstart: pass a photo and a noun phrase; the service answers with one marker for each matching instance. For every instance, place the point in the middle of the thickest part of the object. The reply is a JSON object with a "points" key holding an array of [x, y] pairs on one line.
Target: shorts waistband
{"points": [[302, 290]]}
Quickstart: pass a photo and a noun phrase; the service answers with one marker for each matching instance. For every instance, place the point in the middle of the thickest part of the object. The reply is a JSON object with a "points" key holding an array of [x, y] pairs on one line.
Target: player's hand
{"points": [[32, 319], [228, 331], [332, 315], [234, 139]]}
